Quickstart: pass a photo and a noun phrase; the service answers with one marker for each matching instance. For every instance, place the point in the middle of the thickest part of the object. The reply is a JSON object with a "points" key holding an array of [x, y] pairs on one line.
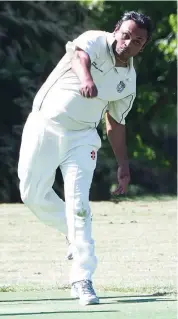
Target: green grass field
{"points": [[136, 250]]}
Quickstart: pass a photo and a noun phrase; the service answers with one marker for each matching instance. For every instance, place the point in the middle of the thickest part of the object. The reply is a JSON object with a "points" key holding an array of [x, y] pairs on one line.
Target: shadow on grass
{"points": [[114, 300], [135, 298], [44, 299], [146, 300], [53, 312], [137, 301]]}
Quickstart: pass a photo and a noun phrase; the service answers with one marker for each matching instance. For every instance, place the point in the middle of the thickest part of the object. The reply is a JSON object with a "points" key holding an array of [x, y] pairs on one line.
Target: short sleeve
{"points": [[120, 108], [89, 41]]}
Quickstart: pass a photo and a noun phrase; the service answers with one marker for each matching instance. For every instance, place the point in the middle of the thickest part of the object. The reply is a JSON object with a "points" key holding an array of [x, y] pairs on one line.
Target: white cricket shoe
{"points": [[84, 291]]}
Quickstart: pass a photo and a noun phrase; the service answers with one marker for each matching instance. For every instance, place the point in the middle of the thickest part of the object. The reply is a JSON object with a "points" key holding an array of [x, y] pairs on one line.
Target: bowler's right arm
{"points": [[81, 65]]}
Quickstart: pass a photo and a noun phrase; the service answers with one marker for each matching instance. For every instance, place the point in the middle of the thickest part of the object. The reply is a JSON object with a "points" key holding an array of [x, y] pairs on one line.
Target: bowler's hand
{"points": [[123, 177], [88, 89]]}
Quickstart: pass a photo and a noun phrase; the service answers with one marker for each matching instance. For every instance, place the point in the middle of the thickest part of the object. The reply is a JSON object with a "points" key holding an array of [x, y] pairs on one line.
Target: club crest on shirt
{"points": [[121, 86]]}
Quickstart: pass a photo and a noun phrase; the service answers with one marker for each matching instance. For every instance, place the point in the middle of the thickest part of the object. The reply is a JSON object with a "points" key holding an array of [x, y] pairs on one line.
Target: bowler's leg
{"points": [[77, 172], [38, 161]]}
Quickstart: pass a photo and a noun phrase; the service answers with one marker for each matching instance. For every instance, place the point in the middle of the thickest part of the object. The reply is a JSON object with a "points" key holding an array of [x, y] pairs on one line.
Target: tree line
{"points": [[33, 37]]}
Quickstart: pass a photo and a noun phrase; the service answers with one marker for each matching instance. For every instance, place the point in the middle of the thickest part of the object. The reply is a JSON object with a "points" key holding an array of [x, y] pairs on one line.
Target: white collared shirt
{"points": [[59, 97]]}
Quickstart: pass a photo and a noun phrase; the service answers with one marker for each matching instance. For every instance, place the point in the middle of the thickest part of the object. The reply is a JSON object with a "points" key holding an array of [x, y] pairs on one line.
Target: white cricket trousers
{"points": [[45, 146]]}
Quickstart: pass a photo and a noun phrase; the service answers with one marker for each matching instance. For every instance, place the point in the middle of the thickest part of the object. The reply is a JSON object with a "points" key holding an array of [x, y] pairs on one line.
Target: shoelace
{"points": [[87, 288]]}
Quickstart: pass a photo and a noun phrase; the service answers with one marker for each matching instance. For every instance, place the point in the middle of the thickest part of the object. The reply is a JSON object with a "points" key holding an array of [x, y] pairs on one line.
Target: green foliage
{"points": [[168, 45], [33, 37]]}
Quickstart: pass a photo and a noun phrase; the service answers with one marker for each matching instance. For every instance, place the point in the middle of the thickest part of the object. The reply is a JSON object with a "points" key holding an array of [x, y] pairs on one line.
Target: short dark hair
{"points": [[143, 21]]}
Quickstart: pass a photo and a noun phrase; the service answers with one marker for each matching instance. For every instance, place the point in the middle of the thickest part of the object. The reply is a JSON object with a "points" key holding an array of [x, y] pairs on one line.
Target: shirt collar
{"points": [[110, 41]]}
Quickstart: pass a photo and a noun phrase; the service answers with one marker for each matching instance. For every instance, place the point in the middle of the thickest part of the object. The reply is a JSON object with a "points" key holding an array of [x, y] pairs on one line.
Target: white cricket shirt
{"points": [[60, 100]]}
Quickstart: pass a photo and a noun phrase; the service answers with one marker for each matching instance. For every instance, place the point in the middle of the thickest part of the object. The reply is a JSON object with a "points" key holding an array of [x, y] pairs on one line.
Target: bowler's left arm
{"points": [[116, 132]]}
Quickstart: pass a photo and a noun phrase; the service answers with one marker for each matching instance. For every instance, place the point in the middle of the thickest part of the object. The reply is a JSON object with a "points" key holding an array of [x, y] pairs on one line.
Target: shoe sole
{"points": [[94, 301], [90, 302]]}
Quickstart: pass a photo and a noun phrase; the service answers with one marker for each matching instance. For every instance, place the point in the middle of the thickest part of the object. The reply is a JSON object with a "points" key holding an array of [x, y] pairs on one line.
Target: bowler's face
{"points": [[130, 40]]}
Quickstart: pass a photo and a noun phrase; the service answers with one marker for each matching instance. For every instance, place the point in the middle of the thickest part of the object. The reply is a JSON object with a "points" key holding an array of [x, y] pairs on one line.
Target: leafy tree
{"points": [[33, 37]]}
